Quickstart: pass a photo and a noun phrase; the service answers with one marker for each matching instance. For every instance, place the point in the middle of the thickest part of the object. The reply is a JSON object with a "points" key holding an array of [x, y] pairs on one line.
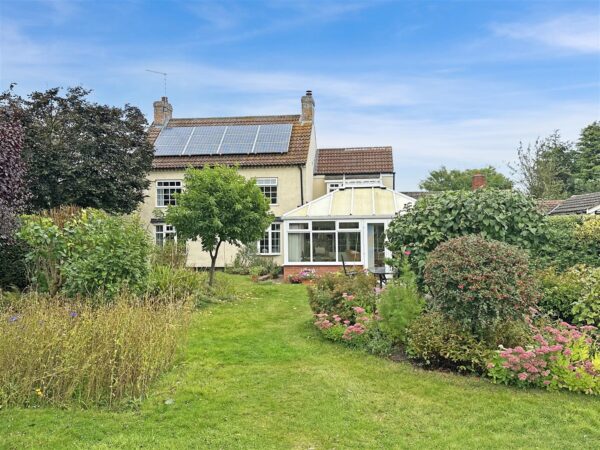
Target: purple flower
{"points": [[13, 319], [73, 314]]}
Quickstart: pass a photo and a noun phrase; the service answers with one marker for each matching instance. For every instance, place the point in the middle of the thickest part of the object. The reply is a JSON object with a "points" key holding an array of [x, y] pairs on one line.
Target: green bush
{"points": [[171, 254], [167, 283], [571, 240], [503, 215], [336, 293], [573, 296], [58, 352], [399, 304], [13, 268], [86, 253], [480, 282], [435, 340]]}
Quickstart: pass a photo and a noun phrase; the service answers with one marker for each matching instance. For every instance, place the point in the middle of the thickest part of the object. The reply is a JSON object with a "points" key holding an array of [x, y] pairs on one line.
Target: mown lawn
{"points": [[256, 375]]}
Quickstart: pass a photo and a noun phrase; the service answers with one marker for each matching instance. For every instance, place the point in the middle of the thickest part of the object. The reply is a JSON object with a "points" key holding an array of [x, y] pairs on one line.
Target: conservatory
{"points": [[345, 227]]}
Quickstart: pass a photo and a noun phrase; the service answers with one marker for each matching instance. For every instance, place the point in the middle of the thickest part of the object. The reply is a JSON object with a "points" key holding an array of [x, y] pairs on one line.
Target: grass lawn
{"points": [[256, 375]]}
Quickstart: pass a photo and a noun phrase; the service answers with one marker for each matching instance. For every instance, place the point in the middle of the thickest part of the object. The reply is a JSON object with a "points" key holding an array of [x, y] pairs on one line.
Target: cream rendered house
{"points": [[280, 153]]}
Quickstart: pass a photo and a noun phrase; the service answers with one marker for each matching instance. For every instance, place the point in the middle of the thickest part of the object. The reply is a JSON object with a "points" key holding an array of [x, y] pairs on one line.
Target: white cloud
{"points": [[576, 32]]}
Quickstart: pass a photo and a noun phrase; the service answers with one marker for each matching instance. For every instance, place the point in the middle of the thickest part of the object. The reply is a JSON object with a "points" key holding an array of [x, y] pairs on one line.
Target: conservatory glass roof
{"points": [[353, 202]]}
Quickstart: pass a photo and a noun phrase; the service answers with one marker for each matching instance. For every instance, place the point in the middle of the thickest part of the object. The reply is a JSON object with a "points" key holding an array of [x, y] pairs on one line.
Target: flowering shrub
{"points": [[335, 293], [363, 332], [304, 274], [573, 295], [480, 282], [563, 357]]}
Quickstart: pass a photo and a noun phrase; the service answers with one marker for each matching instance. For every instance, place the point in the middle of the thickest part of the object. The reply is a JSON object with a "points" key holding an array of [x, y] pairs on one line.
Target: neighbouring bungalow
{"points": [[331, 205], [579, 204]]}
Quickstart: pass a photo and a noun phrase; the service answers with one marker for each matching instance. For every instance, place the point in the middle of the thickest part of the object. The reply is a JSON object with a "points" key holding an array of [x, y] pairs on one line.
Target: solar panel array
{"points": [[223, 140]]}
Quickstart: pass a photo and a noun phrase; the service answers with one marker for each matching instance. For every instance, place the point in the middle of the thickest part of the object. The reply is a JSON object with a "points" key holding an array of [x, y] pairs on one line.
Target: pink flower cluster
{"points": [[324, 322], [550, 360], [347, 297]]}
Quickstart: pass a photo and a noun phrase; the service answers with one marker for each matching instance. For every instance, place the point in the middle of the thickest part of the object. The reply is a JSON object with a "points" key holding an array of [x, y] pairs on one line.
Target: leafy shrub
{"points": [[248, 262], [399, 304], [435, 340], [167, 283], [58, 352], [13, 268], [563, 357], [503, 215], [479, 282], [573, 295], [570, 240], [335, 293], [86, 252], [171, 254]]}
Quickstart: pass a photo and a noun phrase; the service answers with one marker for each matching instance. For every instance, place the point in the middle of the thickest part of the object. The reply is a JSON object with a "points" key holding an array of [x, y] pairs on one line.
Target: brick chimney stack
{"points": [[478, 181], [163, 111], [308, 107]]}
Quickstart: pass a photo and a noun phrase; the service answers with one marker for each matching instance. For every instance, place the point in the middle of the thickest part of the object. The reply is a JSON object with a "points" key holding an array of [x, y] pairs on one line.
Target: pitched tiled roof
{"points": [[297, 152], [578, 204], [545, 206], [354, 160]]}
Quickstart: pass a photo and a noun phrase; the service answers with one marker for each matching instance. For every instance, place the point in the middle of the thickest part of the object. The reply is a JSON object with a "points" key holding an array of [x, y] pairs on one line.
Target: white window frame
{"points": [[170, 188], [344, 182], [165, 231], [269, 182], [359, 229], [270, 232]]}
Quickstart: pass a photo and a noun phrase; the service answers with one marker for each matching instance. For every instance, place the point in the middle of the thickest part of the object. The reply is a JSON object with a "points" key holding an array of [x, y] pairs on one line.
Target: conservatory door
{"points": [[375, 245]]}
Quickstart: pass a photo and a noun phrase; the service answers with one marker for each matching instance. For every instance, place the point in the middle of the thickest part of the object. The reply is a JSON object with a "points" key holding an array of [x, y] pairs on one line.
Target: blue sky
{"points": [[457, 83]]}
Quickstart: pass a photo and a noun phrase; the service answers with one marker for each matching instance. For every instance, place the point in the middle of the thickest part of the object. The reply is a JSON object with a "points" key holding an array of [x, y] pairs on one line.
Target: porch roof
{"points": [[367, 202]]}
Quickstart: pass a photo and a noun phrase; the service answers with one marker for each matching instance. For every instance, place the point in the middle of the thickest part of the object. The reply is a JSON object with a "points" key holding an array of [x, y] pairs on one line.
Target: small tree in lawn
{"points": [[219, 205]]}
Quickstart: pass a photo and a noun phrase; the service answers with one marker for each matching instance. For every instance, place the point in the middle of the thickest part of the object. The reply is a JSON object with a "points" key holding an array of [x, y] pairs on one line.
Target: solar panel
{"points": [[172, 141], [224, 140], [239, 139], [205, 140], [273, 138]]}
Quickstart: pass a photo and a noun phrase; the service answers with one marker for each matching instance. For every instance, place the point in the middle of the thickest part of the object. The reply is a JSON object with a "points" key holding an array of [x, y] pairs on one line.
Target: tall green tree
{"points": [[586, 171], [443, 179], [82, 153], [544, 169], [219, 205]]}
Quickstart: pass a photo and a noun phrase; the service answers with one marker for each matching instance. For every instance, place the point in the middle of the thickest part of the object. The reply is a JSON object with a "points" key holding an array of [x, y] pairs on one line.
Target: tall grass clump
{"points": [[55, 351]]}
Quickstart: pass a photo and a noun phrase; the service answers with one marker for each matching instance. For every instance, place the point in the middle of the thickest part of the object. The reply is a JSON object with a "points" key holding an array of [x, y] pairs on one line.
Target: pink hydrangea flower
{"points": [[523, 376], [358, 309]]}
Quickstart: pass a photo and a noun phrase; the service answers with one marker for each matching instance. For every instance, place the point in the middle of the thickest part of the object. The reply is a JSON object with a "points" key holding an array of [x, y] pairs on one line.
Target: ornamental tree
{"points": [[219, 205], [82, 153], [443, 179]]}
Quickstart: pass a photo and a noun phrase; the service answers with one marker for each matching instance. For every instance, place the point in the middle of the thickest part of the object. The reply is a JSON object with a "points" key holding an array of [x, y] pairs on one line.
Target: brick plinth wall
{"points": [[320, 270]]}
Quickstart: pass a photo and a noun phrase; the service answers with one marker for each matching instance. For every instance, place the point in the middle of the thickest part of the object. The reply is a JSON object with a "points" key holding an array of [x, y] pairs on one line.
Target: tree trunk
{"points": [[213, 263]]}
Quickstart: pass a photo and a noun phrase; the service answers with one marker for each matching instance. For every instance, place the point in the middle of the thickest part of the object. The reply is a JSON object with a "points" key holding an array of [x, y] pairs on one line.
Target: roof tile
{"points": [[332, 161]]}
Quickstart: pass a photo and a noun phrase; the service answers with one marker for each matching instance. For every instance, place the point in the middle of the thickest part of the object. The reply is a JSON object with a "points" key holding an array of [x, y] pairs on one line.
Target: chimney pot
{"points": [[308, 107], [478, 181], [163, 111]]}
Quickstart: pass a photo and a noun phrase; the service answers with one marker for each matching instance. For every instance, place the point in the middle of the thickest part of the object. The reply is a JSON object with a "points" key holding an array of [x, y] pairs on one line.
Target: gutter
{"points": [[301, 185]]}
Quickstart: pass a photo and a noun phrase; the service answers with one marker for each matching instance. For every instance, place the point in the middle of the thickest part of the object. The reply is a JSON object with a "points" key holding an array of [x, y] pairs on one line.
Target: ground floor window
{"points": [[270, 244], [324, 241], [164, 233]]}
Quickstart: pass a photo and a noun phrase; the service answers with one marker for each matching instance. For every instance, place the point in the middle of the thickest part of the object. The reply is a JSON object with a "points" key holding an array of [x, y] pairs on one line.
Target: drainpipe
{"points": [[394, 181], [301, 185]]}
